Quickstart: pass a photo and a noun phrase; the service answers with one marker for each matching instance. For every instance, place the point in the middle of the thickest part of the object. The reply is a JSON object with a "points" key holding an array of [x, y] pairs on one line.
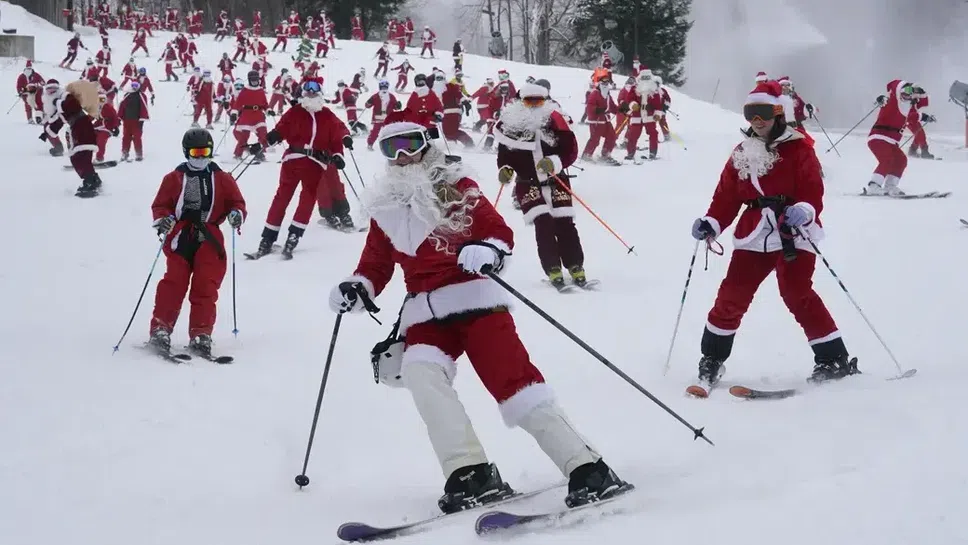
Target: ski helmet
{"points": [[420, 80], [197, 139], [254, 78], [544, 83]]}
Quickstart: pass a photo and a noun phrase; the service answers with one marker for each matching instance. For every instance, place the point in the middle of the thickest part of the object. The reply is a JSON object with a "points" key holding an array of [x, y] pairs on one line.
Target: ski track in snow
{"points": [[124, 448]]}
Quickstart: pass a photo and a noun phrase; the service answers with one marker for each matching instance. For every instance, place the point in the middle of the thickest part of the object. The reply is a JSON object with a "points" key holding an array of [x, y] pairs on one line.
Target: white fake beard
{"points": [[314, 103], [413, 189], [422, 91], [752, 156], [523, 122], [49, 101]]}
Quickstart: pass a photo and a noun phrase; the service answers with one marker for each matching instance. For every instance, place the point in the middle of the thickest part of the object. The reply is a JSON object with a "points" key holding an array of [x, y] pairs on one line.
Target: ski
{"points": [[354, 229], [589, 285], [496, 521], [699, 392], [221, 360], [255, 255], [963, 221], [752, 393], [562, 288], [908, 196], [166, 355], [97, 166], [361, 532]]}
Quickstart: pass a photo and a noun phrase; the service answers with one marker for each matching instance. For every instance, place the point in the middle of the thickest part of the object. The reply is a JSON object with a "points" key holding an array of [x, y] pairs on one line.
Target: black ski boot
{"points": [[710, 371], [589, 483], [265, 246], [90, 187], [346, 222], [160, 340], [201, 345], [825, 369], [473, 486], [291, 241]]}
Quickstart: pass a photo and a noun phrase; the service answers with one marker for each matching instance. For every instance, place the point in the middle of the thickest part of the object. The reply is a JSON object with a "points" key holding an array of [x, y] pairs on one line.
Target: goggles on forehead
{"points": [[312, 87], [533, 101], [763, 112], [409, 144], [503, 77], [200, 153]]}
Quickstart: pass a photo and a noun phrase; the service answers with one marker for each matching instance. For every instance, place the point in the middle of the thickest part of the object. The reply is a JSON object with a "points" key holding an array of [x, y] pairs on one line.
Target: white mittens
{"points": [[474, 257]]}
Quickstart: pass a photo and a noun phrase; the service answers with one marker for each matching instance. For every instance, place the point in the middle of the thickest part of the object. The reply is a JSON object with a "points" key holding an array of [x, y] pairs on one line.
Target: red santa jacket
{"points": [[892, 117], [790, 168], [108, 121], [82, 126], [382, 105], [204, 93], [427, 104], [250, 105], [308, 134], [429, 262], [225, 196], [598, 106]]}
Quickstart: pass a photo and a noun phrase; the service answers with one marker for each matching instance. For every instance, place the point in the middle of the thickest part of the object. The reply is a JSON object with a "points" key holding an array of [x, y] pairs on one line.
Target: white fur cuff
{"points": [[427, 353], [715, 224], [367, 285], [519, 405]]}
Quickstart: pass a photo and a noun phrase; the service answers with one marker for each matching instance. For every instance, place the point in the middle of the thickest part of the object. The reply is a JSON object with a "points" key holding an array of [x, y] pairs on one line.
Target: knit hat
{"points": [[767, 92], [761, 77]]}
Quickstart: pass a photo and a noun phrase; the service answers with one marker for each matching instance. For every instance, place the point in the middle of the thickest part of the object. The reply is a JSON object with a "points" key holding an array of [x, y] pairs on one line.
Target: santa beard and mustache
{"points": [[426, 189], [523, 123], [313, 103]]}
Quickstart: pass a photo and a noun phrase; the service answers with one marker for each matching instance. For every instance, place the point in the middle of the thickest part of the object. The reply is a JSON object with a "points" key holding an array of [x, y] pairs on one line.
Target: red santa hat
{"points": [[635, 58], [30, 64], [532, 90], [404, 122], [767, 92], [761, 77], [783, 80]]}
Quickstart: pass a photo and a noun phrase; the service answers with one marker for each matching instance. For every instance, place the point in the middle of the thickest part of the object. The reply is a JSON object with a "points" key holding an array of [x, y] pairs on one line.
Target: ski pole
{"points": [[140, 297], [682, 305], [698, 433], [592, 212], [819, 124], [351, 185], [499, 191], [235, 322], [224, 134], [903, 373], [834, 145], [357, 167], [301, 479], [18, 99], [909, 138], [715, 91]]}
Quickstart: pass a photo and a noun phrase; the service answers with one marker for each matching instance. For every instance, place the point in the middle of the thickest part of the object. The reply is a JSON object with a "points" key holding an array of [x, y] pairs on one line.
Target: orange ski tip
{"points": [[697, 391], [740, 391]]}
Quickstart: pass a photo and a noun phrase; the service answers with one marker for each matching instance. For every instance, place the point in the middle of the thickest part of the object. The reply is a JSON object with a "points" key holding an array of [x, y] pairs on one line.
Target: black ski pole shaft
{"points": [[140, 297], [903, 373], [357, 167], [697, 432], [224, 134], [682, 305], [819, 124], [235, 321], [909, 138], [301, 479], [834, 145], [355, 194]]}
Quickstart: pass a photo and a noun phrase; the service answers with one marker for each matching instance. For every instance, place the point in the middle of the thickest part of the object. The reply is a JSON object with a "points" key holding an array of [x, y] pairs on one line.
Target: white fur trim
{"points": [[476, 294], [427, 353], [400, 127], [83, 147], [520, 405], [499, 244], [720, 331], [826, 338], [530, 215], [563, 212], [533, 90], [762, 98], [367, 285], [888, 139], [714, 223]]}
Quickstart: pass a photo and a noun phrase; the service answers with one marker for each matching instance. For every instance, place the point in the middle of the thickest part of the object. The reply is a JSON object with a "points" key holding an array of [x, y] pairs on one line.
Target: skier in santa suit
{"points": [[774, 175], [383, 102], [76, 106], [915, 123], [133, 112], [315, 143], [452, 98], [249, 110], [30, 87], [357, 30], [432, 220], [428, 37], [192, 202], [423, 101], [202, 97], [884, 139], [654, 112], [793, 107], [536, 144], [105, 126], [598, 104]]}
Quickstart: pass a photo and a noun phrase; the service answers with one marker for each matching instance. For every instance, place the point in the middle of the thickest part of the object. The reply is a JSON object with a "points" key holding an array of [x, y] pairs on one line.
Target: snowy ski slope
{"points": [[125, 449]]}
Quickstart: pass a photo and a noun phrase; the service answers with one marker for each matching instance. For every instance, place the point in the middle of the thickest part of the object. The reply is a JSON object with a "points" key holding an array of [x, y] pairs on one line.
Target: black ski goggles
{"points": [[763, 112]]}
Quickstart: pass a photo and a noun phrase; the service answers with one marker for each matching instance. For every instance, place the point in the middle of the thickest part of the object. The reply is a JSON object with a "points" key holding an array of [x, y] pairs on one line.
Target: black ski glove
{"points": [[233, 118], [348, 142], [255, 148], [115, 131], [337, 161]]}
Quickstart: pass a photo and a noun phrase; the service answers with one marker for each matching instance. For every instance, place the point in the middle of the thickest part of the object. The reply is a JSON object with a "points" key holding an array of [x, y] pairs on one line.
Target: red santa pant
{"points": [[169, 71], [296, 171], [205, 271], [71, 57], [330, 194], [427, 46], [278, 101], [131, 134], [650, 129], [187, 60], [322, 48], [102, 142], [597, 131], [381, 66], [140, 45], [920, 140], [357, 33], [280, 40], [891, 160], [633, 134], [81, 161], [401, 81], [374, 132], [746, 272], [203, 107], [242, 138], [451, 129], [492, 345]]}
